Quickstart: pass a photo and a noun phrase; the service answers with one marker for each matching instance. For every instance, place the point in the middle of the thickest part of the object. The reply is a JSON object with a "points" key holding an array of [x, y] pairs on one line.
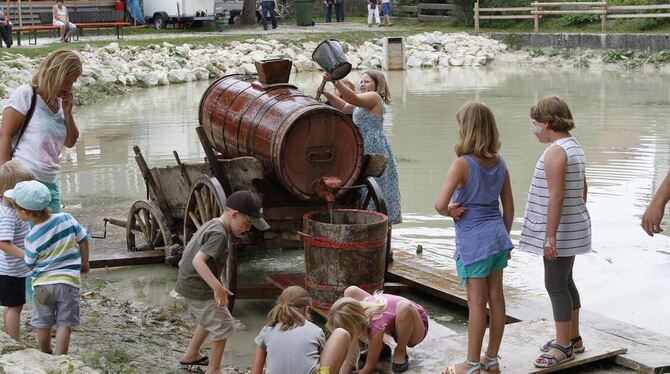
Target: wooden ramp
{"points": [[647, 351], [101, 260]]}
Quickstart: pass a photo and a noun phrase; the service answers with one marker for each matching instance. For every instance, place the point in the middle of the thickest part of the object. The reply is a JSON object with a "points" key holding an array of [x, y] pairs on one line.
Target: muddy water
{"points": [[621, 122]]}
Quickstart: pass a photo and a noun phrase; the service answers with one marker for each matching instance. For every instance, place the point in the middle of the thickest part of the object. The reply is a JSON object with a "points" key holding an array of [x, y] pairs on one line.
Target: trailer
{"points": [[189, 12]]}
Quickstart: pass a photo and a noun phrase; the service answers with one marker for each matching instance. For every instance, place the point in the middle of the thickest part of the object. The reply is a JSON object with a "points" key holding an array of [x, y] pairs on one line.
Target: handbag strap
{"points": [[26, 120]]}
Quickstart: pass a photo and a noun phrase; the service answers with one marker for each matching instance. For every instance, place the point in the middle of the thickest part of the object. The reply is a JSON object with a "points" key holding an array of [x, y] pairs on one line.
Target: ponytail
{"points": [[290, 308]]}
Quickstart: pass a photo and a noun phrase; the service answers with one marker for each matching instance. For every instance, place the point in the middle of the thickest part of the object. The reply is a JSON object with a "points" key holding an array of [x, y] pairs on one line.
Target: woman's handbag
{"points": [[26, 120]]}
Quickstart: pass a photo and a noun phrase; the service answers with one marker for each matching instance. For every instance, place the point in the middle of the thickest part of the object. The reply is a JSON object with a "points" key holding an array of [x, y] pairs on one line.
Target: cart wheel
{"points": [[206, 201], [147, 228]]}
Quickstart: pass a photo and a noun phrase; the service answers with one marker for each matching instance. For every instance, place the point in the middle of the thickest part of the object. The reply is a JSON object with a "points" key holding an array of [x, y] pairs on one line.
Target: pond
{"points": [[621, 122]]}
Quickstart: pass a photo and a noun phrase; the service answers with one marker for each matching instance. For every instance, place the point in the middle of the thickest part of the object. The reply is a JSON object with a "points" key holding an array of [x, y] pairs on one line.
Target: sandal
{"points": [[202, 361], [402, 367], [473, 367], [574, 341], [492, 364], [551, 359]]}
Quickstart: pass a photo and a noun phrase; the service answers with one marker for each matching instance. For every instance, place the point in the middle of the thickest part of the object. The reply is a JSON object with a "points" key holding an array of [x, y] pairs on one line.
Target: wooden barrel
{"points": [[296, 138], [350, 251]]}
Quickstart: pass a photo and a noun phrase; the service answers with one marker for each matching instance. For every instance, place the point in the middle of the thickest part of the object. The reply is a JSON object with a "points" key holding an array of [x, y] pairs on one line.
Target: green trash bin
{"points": [[304, 10]]}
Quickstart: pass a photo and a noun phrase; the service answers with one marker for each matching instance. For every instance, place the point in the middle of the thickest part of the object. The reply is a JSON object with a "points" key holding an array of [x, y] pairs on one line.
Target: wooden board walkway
{"points": [[125, 258], [647, 351]]}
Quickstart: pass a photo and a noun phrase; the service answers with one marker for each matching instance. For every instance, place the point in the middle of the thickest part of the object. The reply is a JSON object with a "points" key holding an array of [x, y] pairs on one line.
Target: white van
{"points": [[191, 12]]}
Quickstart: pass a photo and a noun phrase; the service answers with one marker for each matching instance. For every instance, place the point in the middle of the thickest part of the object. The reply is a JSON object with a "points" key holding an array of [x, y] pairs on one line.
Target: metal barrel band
{"points": [[323, 242]]}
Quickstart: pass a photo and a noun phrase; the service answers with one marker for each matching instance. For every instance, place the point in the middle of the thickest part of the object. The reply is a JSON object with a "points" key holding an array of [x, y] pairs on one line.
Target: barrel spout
{"points": [[326, 188], [274, 71]]}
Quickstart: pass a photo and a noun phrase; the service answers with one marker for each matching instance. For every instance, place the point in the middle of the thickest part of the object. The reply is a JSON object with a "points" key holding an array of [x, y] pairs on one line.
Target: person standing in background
{"points": [[339, 10], [268, 6], [327, 10], [6, 28]]}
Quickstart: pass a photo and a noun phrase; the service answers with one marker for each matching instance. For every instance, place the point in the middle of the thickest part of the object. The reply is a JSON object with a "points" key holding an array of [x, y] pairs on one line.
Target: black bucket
{"points": [[330, 56]]}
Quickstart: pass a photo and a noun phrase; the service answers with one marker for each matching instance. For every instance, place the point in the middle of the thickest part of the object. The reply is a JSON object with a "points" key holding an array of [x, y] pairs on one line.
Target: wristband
{"points": [[548, 242]]}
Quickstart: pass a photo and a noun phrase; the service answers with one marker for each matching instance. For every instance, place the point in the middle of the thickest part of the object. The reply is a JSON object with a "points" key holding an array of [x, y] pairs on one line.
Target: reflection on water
{"points": [[621, 122]]}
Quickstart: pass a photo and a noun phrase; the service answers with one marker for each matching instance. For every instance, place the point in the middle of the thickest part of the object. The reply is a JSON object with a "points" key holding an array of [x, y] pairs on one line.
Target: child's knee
{"points": [[341, 336], [352, 291]]}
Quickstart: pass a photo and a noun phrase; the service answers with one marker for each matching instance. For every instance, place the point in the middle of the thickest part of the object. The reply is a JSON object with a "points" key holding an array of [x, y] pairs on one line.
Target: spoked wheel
{"points": [[205, 202], [374, 195], [147, 229]]}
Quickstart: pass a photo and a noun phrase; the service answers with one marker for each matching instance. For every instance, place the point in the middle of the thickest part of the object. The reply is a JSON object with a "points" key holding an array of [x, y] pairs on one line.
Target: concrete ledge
{"points": [[634, 42]]}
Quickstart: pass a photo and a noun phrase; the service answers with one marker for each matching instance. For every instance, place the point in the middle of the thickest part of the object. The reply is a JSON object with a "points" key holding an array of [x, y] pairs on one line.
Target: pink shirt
{"points": [[380, 321]]}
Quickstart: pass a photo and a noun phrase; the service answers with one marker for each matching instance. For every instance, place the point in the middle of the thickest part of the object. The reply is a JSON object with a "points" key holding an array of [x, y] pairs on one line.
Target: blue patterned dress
{"points": [[374, 142]]}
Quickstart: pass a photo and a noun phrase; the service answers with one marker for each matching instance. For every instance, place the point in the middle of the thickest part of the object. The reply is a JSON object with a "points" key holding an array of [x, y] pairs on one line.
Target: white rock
{"points": [[177, 76], [200, 73]]}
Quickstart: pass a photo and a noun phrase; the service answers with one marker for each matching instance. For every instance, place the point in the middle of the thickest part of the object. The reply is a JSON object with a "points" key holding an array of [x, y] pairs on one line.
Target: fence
{"points": [[538, 9]]}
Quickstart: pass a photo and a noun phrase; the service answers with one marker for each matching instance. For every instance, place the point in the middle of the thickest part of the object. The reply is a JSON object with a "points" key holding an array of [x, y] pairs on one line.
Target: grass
{"points": [[112, 361]]}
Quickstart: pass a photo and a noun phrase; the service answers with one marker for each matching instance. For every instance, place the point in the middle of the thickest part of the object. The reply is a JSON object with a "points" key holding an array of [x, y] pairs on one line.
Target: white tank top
{"points": [[61, 12], [574, 231]]}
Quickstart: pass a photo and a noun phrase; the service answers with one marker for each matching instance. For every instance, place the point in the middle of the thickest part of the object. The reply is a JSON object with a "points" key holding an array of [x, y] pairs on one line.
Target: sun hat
{"points": [[30, 195]]}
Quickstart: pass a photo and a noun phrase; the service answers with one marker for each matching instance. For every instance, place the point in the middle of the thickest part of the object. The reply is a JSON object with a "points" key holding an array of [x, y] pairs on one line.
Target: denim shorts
{"points": [[482, 268], [219, 322], [386, 9], [55, 304]]}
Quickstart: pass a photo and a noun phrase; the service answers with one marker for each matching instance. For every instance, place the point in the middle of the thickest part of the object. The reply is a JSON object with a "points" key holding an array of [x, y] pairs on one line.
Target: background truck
{"points": [[189, 12]]}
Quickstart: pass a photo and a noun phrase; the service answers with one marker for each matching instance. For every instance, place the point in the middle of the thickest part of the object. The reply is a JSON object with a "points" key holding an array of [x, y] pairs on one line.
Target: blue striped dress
{"points": [[574, 231]]}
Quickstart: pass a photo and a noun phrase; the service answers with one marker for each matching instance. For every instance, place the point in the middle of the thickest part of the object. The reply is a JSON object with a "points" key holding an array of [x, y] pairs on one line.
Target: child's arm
{"points": [[555, 165], [220, 292], [374, 349], [259, 360], [653, 215], [456, 177], [83, 249], [9, 248], [507, 201]]}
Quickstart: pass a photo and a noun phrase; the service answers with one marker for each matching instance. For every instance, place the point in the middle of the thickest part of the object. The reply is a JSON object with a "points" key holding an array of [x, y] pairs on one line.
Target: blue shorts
{"points": [[386, 9], [482, 268], [55, 304]]}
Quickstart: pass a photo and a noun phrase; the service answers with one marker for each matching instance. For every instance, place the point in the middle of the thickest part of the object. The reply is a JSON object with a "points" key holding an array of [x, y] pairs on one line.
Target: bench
{"points": [[32, 32], [117, 26]]}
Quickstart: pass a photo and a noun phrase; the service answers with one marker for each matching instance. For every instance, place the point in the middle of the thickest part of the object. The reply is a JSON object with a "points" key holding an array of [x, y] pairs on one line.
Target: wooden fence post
{"points": [[603, 17], [477, 17], [536, 25]]}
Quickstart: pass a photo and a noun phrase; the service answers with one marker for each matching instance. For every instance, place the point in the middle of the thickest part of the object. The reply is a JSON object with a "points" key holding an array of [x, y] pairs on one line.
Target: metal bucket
{"points": [[350, 251], [330, 56]]}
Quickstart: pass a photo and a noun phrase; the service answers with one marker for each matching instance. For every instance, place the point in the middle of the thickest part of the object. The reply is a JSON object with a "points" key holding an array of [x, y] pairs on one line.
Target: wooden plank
{"points": [[517, 9], [507, 17], [647, 15], [638, 7], [432, 6], [430, 18], [545, 12], [406, 8], [257, 291], [572, 3], [101, 260]]}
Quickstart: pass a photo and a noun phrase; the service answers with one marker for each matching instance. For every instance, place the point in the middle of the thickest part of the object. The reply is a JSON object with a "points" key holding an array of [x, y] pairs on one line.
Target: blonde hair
{"points": [[54, 70], [290, 308], [11, 173], [381, 87], [355, 316], [477, 131], [555, 112]]}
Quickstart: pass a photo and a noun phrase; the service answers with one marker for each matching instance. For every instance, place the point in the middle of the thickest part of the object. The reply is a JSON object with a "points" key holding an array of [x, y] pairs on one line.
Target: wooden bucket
{"points": [[350, 251]]}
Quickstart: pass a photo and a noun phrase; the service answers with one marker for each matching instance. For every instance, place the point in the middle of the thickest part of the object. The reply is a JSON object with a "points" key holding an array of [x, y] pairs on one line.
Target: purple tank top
{"points": [[481, 232]]}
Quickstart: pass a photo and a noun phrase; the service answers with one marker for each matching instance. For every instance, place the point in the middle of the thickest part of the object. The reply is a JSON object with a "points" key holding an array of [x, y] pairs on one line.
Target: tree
{"points": [[248, 13]]}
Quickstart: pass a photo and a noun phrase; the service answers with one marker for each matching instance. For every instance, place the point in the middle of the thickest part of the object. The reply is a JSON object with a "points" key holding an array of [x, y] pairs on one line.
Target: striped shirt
{"points": [[574, 231], [52, 247], [13, 230]]}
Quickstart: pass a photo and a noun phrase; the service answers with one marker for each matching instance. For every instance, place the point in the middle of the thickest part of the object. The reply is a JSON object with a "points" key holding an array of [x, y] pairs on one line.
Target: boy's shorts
{"points": [[482, 268], [55, 304], [386, 9], [12, 290], [218, 322], [322, 370]]}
